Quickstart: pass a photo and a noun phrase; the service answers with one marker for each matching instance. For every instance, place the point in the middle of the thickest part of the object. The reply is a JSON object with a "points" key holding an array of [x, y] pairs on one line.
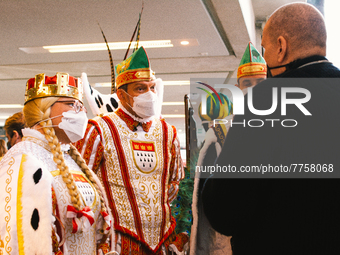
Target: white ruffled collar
{"points": [[28, 132]]}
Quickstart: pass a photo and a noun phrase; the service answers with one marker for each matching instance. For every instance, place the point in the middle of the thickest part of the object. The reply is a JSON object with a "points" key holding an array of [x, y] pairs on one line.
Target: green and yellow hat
{"points": [[216, 110], [134, 68], [252, 63]]}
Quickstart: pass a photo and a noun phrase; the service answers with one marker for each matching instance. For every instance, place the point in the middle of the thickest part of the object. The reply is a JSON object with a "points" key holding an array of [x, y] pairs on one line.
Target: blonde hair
{"points": [[39, 109]]}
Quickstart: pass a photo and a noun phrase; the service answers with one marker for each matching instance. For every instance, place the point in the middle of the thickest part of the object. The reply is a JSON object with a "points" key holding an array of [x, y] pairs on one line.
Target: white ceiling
{"points": [[217, 26]]}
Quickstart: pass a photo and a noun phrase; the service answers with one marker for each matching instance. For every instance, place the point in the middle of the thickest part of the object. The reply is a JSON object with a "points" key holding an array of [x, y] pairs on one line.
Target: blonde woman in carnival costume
{"points": [[50, 201]]}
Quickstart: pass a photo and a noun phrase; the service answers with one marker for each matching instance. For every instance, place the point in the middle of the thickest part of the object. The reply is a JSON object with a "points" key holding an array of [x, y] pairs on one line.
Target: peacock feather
{"points": [[181, 206]]}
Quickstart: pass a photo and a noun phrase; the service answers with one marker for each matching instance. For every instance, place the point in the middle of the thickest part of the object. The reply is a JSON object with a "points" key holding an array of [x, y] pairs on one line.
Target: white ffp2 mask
{"points": [[74, 124], [145, 105]]}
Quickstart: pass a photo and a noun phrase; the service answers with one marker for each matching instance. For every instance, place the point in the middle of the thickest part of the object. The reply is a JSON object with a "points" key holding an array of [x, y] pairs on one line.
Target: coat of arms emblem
{"points": [[84, 188], [144, 156]]}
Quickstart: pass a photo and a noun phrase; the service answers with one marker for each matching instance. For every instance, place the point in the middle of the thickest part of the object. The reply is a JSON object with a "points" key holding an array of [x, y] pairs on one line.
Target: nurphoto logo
{"points": [[238, 99]]}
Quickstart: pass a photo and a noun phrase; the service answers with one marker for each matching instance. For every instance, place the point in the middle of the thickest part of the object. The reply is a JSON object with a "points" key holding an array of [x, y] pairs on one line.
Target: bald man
{"points": [[284, 213], [295, 35]]}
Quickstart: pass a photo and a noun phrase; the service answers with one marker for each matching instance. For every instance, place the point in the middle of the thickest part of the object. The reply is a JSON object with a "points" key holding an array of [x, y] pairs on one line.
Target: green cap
{"points": [[252, 63], [134, 68], [215, 109]]}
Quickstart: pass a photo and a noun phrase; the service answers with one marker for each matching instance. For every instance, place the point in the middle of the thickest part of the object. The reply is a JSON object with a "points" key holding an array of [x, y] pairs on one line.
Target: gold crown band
{"points": [[251, 69], [60, 89], [143, 74]]}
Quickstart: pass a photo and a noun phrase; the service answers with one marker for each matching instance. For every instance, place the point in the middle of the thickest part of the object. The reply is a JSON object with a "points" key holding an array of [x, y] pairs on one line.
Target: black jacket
{"points": [[283, 214]]}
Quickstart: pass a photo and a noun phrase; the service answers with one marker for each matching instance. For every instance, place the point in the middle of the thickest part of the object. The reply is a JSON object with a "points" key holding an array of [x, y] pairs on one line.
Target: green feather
{"points": [[181, 206]]}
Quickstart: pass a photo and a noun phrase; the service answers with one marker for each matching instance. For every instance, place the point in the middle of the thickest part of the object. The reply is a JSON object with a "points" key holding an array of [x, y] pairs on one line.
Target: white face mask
{"points": [[74, 124], [145, 105]]}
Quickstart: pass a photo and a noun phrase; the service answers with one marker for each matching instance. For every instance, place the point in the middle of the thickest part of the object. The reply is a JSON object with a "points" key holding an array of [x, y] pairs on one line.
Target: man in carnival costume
{"points": [[251, 71], [51, 202], [13, 126], [136, 154]]}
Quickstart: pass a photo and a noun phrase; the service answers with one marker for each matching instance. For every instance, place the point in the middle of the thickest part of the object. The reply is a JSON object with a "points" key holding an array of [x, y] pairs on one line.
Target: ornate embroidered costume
{"points": [[34, 201], [140, 168]]}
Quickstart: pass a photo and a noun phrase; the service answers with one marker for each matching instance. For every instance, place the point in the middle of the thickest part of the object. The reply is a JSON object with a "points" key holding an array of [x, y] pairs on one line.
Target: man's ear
{"points": [[16, 134], [17, 137], [282, 49], [121, 94]]}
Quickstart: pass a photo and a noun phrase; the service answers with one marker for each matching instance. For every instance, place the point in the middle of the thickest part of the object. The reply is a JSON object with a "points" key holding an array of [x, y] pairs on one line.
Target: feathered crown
{"points": [[60, 85]]}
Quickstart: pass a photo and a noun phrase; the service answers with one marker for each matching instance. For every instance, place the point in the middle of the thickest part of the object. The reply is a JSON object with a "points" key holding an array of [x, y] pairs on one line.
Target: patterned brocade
{"points": [[36, 188], [140, 172]]}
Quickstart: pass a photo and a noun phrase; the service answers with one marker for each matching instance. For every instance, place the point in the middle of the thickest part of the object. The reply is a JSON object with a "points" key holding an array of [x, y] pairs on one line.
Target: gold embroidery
{"points": [[8, 208], [115, 179], [124, 65], [19, 212], [73, 172], [146, 187], [37, 141], [1, 246], [78, 243]]}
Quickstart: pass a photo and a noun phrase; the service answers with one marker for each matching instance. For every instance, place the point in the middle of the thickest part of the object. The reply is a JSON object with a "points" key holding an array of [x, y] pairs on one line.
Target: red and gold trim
{"points": [[104, 247], [89, 146], [107, 188], [168, 222], [80, 143], [142, 74], [251, 69], [180, 240], [99, 157], [131, 123], [164, 174], [131, 245], [125, 175]]}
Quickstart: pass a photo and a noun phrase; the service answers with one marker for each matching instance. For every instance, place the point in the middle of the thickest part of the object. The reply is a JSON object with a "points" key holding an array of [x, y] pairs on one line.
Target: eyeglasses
{"points": [[77, 106]]}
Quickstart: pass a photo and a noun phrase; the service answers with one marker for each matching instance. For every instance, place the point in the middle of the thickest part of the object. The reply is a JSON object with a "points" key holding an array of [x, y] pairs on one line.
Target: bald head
{"points": [[302, 25]]}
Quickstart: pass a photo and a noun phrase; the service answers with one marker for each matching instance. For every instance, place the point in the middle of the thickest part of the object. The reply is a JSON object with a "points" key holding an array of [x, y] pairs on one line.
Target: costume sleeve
{"points": [[176, 167], [25, 205], [91, 147]]}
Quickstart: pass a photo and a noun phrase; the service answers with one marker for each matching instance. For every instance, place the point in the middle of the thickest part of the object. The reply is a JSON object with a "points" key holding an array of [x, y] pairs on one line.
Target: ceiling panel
{"points": [[215, 26]]}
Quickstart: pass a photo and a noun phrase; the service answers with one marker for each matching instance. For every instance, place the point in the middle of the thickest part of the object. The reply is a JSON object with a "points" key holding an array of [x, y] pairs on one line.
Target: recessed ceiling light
{"points": [[165, 83], [173, 103], [173, 115], [184, 42], [169, 83], [96, 46], [10, 106]]}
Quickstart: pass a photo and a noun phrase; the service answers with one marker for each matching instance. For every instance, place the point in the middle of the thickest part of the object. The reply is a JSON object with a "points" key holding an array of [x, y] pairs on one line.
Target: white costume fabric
{"points": [[140, 171], [204, 239], [34, 200]]}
